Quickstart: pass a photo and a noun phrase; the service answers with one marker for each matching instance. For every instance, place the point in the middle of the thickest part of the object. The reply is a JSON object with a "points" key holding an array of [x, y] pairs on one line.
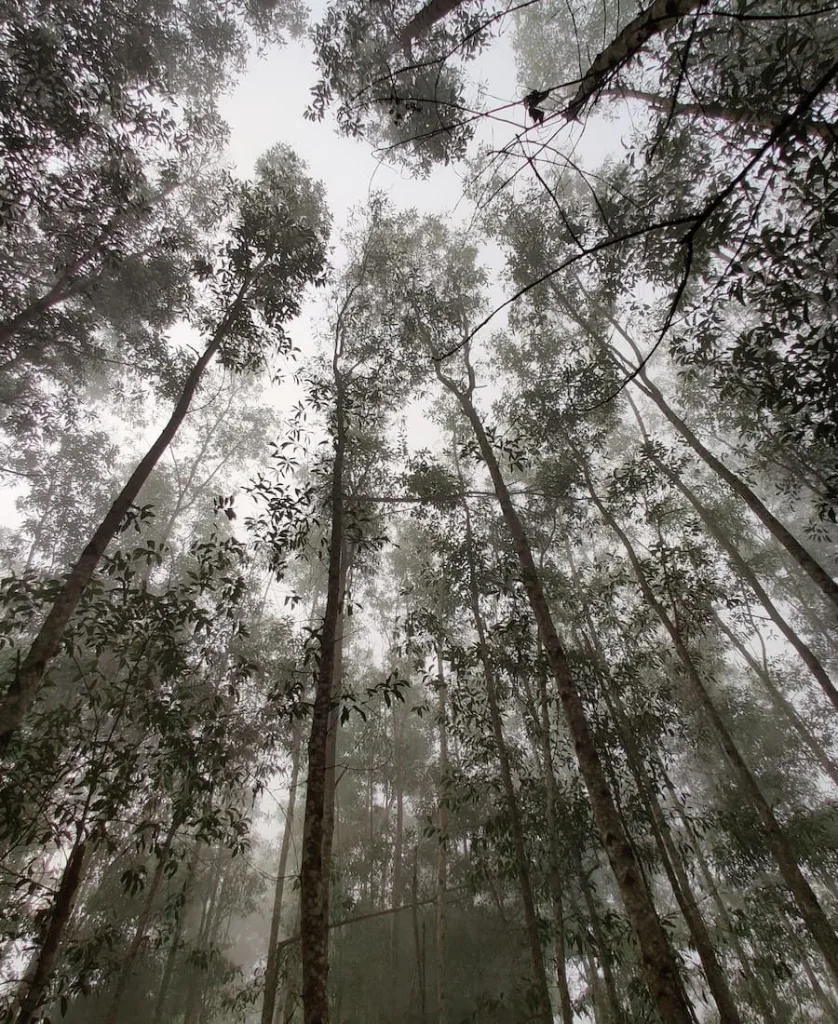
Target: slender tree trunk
{"points": [[807, 562], [615, 1009], [807, 903], [418, 937], [130, 962], [314, 871], [272, 966], [786, 709], [769, 1013], [544, 1011], [442, 844], [674, 868], [807, 656], [397, 893], [554, 871], [157, 1016], [47, 643], [659, 967], [293, 983], [758, 119], [34, 988]]}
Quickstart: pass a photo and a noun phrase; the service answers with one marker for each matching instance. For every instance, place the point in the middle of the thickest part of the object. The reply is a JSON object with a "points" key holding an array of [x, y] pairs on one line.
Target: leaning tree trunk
{"points": [[314, 871], [544, 1011], [47, 643], [796, 551], [659, 967], [37, 978], [129, 963], [747, 574], [807, 903], [272, 966], [786, 709]]}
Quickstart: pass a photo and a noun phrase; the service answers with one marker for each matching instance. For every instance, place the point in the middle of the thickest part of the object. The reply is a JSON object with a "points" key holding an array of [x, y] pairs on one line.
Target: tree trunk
{"points": [[659, 968], [442, 844], [807, 903], [129, 963], [807, 562], [47, 643], [658, 17], [314, 871], [749, 576], [615, 1009], [397, 890], [770, 1013], [784, 537], [34, 988], [544, 1010], [425, 18], [674, 868], [786, 709], [554, 879], [272, 965]]}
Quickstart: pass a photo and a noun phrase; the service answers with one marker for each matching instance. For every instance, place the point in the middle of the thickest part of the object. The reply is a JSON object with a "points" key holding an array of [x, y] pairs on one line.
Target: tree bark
{"points": [[659, 16], [659, 968], [747, 574], [272, 965], [425, 18], [544, 1010], [129, 963], [47, 643], [442, 846], [554, 871], [37, 978], [314, 871], [786, 709], [807, 903]]}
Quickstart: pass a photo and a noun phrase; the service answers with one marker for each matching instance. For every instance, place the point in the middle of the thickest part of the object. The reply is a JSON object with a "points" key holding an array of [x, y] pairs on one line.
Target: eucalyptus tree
{"points": [[274, 247]]}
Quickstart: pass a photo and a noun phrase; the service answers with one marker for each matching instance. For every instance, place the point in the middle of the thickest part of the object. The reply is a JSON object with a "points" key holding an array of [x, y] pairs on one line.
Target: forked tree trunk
{"points": [[659, 967], [47, 643], [805, 899]]}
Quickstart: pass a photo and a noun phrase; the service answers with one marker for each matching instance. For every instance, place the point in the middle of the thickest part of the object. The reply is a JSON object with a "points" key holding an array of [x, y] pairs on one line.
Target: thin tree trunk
{"points": [[719, 112], [171, 957], [769, 1013], [47, 643], [129, 963], [418, 940], [807, 903], [674, 867], [397, 890], [786, 709], [314, 871], [37, 978], [806, 654], [807, 562], [659, 968], [272, 965], [544, 1010], [615, 1009], [554, 872], [442, 844]]}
